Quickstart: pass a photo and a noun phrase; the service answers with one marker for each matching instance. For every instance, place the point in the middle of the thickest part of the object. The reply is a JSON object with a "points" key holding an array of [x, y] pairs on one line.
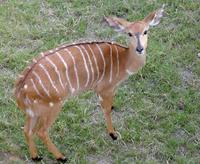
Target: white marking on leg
{"points": [[30, 112], [117, 74], [86, 67], [111, 63], [32, 123], [56, 70], [66, 68], [75, 69], [104, 63], [41, 84], [49, 77], [35, 101], [92, 69], [35, 88], [96, 63]]}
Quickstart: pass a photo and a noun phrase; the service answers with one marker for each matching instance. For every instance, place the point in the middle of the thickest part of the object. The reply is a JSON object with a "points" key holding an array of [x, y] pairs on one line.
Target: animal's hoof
{"points": [[113, 108], [37, 159], [62, 160], [113, 136]]}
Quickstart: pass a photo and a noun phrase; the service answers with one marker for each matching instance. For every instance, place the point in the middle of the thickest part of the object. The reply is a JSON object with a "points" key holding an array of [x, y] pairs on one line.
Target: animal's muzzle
{"points": [[139, 49]]}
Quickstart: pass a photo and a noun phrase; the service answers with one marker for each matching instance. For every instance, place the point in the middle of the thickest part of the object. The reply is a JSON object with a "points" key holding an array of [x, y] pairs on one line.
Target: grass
{"points": [[152, 126]]}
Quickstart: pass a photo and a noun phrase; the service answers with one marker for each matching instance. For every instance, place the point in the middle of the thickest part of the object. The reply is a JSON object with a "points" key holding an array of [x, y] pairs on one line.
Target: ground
{"points": [[157, 110]]}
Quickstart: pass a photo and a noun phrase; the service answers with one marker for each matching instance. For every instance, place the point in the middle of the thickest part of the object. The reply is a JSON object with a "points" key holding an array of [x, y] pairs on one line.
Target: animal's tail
{"points": [[19, 91]]}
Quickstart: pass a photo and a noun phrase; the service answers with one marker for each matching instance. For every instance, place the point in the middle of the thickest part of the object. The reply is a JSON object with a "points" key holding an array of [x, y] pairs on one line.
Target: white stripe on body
{"points": [[66, 68], [117, 74], [104, 63], [96, 63], [86, 67], [75, 69], [92, 69], [56, 70], [49, 77], [35, 88], [41, 84], [111, 63]]}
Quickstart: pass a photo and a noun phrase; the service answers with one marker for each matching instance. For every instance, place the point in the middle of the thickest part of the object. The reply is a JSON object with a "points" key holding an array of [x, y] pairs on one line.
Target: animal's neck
{"points": [[134, 61]]}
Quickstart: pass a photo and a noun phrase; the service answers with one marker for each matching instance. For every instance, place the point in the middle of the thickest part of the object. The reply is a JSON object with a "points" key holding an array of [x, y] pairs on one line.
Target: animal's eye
{"points": [[145, 32], [129, 34]]}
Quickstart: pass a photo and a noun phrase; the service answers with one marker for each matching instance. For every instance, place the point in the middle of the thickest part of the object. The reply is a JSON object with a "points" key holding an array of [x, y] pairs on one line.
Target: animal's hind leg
{"points": [[45, 123], [30, 124]]}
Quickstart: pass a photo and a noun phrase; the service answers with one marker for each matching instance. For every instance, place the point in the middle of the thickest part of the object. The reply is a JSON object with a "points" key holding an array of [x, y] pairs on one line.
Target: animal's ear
{"points": [[154, 18], [118, 24]]}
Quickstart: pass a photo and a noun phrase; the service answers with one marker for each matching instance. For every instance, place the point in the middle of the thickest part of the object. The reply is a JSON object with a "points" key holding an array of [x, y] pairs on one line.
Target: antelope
{"points": [[68, 70]]}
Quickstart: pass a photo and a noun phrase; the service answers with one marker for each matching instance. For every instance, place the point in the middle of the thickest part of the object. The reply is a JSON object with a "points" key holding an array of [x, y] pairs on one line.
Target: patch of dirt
{"points": [[8, 158], [180, 134], [190, 79], [96, 115], [182, 150], [5, 72], [2, 1], [172, 26], [100, 159]]}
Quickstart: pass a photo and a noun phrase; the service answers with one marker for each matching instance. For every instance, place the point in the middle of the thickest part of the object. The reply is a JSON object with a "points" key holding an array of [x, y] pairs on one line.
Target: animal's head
{"points": [[137, 30]]}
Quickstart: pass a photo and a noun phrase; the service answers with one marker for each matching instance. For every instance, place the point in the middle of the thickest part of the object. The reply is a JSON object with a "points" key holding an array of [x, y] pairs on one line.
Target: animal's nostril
{"points": [[139, 49]]}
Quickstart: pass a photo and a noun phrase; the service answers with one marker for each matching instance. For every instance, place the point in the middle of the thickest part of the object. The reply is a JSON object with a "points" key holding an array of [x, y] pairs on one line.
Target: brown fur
{"points": [[20, 82], [42, 103]]}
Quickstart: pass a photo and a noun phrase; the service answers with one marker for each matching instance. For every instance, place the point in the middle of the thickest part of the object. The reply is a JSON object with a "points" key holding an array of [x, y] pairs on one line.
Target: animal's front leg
{"points": [[106, 104]]}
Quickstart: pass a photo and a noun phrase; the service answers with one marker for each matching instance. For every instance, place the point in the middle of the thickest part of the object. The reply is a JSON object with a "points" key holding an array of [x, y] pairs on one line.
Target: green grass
{"points": [[152, 127]]}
